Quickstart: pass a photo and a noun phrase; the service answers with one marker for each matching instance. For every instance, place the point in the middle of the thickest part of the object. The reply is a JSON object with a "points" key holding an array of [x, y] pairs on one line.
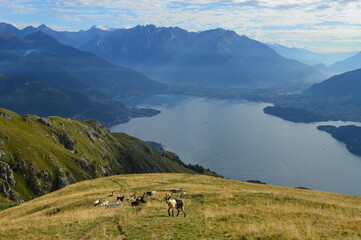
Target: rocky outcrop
{"points": [[67, 141], [7, 181], [64, 179], [9, 193], [6, 173], [44, 121], [6, 114]]}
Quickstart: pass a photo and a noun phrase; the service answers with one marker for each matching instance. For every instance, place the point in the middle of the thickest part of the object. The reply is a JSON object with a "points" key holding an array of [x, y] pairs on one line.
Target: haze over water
{"points": [[236, 139]]}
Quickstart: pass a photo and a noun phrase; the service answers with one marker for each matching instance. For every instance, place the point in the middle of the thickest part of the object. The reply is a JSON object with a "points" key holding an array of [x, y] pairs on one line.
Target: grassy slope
{"points": [[38, 159], [217, 209]]}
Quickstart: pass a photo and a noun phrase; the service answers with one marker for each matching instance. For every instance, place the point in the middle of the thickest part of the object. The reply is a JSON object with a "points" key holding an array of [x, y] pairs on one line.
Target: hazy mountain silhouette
{"points": [[5, 27], [349, 64], [337, 98], [40, 55], [309, 57], [33, 95], [216, 56], [344, 85], [74, 39]]}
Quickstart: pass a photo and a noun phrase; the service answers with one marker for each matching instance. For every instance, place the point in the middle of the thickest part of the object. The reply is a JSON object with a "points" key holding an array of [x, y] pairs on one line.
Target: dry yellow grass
{"points": [[216, 209]]}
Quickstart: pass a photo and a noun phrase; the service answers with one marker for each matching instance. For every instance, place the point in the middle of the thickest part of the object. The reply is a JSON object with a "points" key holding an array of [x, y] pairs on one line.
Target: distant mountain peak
{"points": [[6, 24], [28, 28], [101, 27], [5, 27], [221, 32], [154, 28], [150, 26], [43, 27]]}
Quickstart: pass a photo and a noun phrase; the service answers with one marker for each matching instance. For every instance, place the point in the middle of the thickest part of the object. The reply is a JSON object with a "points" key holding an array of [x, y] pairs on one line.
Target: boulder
{"points": [[44, 121]]}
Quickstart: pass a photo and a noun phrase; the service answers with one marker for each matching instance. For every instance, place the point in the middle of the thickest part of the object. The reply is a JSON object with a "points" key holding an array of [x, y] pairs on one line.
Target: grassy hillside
{"points": [[40, 155], [216, 209]]}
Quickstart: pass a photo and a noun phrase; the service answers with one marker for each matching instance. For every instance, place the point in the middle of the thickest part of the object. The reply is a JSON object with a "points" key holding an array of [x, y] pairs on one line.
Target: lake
{"points": [[237, 140]]}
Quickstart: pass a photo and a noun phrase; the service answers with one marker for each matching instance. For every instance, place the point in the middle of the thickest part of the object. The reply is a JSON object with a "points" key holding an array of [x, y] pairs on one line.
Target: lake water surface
{"points": [[236, 139]]}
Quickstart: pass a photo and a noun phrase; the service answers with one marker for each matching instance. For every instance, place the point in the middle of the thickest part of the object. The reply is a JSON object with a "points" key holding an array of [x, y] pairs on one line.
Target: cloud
{"points": [[17, 7]]}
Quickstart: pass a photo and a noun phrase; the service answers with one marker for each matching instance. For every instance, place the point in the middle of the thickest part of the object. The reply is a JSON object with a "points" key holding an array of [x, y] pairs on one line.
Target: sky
{"points": [[316, 25]]}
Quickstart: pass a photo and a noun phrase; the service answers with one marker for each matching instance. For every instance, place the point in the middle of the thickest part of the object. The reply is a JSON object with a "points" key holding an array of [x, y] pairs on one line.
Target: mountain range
{"points": [[74, 39], [327, 63], [44, 77], [216, 57], [168, 54], [310, 58], [40, 55], [349, 64]]}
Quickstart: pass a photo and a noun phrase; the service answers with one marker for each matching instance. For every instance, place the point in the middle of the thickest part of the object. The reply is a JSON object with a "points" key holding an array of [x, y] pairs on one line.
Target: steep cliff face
{"points": [[40, 155]]}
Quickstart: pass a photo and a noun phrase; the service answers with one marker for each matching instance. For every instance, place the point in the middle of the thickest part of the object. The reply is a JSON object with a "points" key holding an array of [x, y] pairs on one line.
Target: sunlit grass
{"points": [[216, 209]]}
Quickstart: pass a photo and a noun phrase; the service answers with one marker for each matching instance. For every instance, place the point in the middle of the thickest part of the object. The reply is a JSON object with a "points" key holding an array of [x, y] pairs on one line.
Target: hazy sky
{"points": [[318, 25]]}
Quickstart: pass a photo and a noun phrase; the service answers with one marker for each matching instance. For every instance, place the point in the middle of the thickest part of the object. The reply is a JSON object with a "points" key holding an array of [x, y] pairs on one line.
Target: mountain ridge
{"points": [[172, 54], [40, 155], [309, 57], [349, 64], [92, 71], [215, 56], [335, 99], [71, 74]]}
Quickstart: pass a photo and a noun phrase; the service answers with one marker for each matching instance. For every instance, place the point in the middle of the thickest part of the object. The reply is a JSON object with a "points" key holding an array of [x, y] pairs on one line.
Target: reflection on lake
{"points": [[236, 139]]}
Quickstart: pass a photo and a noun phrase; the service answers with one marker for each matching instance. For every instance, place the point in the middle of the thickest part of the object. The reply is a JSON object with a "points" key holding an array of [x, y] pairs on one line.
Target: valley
{"points": [[202, 106], [245, 115]]}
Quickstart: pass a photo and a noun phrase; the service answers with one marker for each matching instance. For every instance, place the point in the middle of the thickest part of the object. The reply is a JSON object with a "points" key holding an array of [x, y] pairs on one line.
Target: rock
{"points": [[96, 125], [6, 173], [44, 121], [34, 181], [2, 153], [8, 192], [47, 184], [105, 170], [30, 117], [3, 139], [63, 181], [6, 114], [91, 136], [21, 166], [13, 196], [67, 142], [85, 166]]}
